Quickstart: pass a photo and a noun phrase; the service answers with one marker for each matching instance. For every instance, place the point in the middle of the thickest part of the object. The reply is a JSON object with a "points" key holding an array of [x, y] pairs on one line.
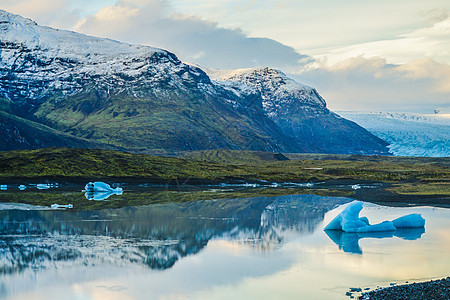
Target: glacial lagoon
{"points": [[254, 248]]}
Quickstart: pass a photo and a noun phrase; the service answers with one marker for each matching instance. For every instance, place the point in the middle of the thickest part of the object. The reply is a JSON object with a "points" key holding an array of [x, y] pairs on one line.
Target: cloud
{"points": [[360, 83], [427, 42], [403, 67], [152, 22], [43, 11], [434, 15]]}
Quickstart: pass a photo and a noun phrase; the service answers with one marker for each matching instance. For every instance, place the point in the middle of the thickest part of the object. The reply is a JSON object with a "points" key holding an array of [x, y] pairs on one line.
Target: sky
{"points": [[371, 55]]}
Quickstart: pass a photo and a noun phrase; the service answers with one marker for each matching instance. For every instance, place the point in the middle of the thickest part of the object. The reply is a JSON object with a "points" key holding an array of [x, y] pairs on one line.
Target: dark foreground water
{"points": [[258, 248]]}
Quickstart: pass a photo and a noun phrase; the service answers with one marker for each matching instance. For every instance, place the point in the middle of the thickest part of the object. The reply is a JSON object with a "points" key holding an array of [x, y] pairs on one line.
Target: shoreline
{"points": [[433, 289]]}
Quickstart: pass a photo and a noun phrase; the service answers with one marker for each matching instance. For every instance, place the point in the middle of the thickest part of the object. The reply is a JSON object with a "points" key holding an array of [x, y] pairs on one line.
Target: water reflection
{"points": [[100, 196], [156, 236], [349, 242]]}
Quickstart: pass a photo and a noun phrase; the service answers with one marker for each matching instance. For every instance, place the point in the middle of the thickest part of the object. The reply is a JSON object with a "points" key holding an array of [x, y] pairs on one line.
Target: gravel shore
{"points": [[430, 290]]}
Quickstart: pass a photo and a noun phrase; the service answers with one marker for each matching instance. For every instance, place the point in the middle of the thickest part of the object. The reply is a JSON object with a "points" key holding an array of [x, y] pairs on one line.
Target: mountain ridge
{"points": [[141, 98]]}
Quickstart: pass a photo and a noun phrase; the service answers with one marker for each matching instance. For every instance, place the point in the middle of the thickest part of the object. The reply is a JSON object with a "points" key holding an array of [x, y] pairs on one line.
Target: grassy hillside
{"points": [[233, 156], [19, 133]]}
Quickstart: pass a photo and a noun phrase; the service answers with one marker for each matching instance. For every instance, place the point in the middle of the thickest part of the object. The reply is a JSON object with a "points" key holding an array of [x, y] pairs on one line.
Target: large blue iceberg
{"points": [[349, 221], [100, 191]]}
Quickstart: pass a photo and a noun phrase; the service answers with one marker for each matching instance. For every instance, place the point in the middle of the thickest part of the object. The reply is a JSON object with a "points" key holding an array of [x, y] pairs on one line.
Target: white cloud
{"points": [[429, 42], [153, 23], [46, 12], [360, 83], [383, 55]]}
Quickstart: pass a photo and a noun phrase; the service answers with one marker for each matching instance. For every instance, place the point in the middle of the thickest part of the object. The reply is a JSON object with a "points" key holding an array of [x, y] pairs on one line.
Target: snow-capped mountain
{"points": [[59, 87], [300, 112], [409, 134], [38, 61], [280, 94]]}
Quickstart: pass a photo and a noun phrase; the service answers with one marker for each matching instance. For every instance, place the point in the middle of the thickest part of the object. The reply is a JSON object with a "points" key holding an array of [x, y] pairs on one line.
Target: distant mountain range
{"points": [[409, 134], [61, 88]]}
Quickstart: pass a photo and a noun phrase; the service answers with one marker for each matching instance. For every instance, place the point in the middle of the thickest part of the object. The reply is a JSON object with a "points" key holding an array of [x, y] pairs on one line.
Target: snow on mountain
{"points": [[35, 59], [279, 92], [300, 112], [409, 134], [140, 98]]}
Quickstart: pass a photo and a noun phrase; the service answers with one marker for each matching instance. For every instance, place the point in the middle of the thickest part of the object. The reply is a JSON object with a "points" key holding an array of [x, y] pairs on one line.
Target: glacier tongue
{"points": [[409, 134]]}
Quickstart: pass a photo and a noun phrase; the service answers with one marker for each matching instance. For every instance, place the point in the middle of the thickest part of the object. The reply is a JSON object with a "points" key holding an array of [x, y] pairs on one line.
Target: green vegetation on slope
{"points": [[427, 179], [82, 163]]}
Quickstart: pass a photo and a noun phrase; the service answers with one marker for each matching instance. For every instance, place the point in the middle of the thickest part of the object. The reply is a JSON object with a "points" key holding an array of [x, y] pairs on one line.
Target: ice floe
{"points": [[59, 206], [349, 221], [100, 191]]}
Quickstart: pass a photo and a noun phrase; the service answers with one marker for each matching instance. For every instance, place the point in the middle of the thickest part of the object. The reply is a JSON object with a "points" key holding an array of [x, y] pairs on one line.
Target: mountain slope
{"points": [[130, 96], [144, 99], [409, 134], [20, 133], [301, 113]]}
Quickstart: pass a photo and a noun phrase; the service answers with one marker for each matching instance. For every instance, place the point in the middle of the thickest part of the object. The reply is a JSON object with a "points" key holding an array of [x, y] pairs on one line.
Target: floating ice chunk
{"points": [[100, 191], [383, 226], [22, 187], [43, 186], [349, 221], [57, 206], [99, 186], [409, 221], [3, 187], [356, 186]]}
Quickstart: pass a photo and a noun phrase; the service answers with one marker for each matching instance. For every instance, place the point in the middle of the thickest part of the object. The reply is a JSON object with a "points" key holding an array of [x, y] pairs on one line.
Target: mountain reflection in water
{"points": [[156, 236]]}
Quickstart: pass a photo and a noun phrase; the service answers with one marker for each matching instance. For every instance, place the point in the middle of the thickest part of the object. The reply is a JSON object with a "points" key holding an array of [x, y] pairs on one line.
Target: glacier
{"points": [[409, 134]]}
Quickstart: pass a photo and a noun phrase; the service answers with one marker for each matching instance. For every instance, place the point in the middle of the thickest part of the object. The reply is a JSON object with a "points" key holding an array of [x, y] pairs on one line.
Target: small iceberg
{"points": [[356, 186], [3, 187], [22, 187], [100, 191], [43, 186], [349, 221], [59, 206], [347, 228]]}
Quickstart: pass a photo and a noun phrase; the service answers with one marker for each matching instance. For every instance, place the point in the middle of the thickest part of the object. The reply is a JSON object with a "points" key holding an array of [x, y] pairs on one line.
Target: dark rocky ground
{"points": [[430, 290]]}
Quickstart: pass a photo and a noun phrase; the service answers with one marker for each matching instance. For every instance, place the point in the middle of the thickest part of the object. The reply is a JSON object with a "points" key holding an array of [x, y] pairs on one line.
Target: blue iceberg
{"points": [[349, 221], [99, 191], [347, 228]]}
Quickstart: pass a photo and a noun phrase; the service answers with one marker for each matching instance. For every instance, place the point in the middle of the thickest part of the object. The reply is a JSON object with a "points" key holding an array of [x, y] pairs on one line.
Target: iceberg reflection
{"points": [[349, 241], [100, 196]]}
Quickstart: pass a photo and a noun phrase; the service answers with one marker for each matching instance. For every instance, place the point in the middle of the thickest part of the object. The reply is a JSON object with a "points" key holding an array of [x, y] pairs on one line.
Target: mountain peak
{"points": [[7, 17], [280, 94], [142, 98]]}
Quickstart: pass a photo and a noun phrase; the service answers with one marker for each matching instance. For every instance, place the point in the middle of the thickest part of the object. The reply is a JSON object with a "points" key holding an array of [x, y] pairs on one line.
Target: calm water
{"points": [[258, 248]]}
